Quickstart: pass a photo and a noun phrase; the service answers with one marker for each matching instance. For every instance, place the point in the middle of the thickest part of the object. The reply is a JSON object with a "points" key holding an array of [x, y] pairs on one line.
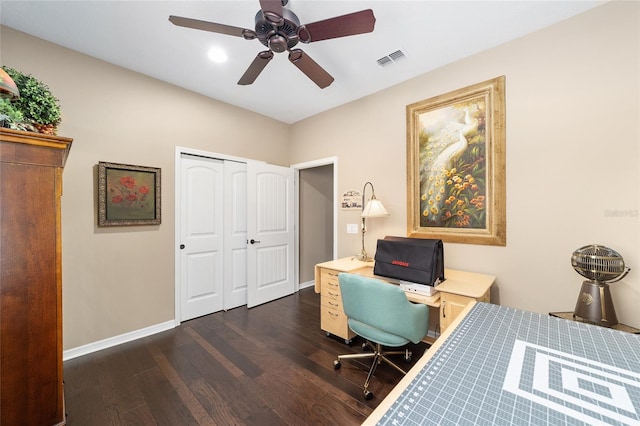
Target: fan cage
{"points": [[598, 263]]}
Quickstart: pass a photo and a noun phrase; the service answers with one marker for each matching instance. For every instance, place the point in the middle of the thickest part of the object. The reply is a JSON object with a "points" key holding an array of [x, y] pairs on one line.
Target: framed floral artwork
{"points": [[128, 195], [456, 166]]}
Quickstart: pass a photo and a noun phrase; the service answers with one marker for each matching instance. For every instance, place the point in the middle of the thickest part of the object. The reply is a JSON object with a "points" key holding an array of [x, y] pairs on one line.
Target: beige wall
{"points": [[573, 131], [118, 280]]}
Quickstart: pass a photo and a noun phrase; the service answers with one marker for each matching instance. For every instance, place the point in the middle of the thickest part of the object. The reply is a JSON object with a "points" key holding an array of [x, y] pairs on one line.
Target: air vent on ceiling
{"points": [[391, 58]]}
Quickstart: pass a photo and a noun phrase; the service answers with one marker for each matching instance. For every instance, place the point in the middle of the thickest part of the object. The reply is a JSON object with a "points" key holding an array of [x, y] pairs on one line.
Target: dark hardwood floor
{"points": [[269, 365]]}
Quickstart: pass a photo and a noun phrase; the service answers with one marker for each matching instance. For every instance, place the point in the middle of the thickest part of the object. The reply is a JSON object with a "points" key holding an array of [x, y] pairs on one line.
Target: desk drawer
{"points": [[331, 303], [331, 292], [329, 277], [334, 321]]}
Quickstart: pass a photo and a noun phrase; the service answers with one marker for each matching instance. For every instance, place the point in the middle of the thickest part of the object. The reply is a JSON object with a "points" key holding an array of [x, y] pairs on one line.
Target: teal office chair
{"points": [[381, 314]]}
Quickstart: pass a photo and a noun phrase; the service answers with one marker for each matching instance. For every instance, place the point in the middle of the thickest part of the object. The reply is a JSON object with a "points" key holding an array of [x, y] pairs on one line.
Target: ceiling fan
{"points": [[279, 29]]}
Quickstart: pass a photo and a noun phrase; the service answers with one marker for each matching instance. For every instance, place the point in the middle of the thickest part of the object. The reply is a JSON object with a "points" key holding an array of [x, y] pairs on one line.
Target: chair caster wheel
{"points": [[368, 395], [348, 341], [336, 365]]}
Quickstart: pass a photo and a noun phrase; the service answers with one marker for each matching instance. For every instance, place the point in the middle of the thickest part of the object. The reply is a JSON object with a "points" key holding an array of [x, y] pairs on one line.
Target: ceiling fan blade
{"points": [[256, 67], [339, 26], [311, 68], [272, 11], [208, 26]]}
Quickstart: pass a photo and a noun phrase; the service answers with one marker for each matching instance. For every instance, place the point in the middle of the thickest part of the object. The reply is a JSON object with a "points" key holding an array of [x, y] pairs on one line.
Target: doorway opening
{"points": [[316, 216]]}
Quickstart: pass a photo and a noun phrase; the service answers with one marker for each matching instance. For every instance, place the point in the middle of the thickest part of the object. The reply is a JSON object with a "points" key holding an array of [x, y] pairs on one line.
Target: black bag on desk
{"points": [[415, 260]]}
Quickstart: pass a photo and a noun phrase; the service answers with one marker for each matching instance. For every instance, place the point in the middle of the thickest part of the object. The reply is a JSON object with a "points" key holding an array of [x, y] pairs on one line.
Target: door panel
{"points": [[235, 225], [270, 225], [273, 265], [201, 268]]}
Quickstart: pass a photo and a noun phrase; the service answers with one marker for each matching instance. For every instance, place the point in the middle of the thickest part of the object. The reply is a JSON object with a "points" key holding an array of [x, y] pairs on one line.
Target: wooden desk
{"points": [[457, 291]]}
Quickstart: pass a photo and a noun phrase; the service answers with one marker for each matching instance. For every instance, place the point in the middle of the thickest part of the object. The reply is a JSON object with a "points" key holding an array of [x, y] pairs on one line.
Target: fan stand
{"points": [[595, 304]]}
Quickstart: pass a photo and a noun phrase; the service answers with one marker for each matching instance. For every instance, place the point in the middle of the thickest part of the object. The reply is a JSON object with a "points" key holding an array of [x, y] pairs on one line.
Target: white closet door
{"points": [[235, 232], [201, 229], [270, 230]]}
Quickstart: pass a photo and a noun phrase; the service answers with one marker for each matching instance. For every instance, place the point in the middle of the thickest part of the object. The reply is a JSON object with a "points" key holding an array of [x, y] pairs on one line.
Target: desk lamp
{"points": [[373, 208], [601, 266]]}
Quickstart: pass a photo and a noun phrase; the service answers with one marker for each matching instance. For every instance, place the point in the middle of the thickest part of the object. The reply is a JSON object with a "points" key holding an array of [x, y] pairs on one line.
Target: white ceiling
{"points": [[137, 35]]}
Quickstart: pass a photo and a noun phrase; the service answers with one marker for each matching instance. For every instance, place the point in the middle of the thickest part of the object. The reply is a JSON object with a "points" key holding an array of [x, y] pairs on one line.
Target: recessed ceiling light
{"points": [[217, 55]]}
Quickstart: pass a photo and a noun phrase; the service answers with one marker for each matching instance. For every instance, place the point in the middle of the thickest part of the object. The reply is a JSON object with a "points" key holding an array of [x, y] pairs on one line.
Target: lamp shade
{"points": [[374, 208], [8, 88]]}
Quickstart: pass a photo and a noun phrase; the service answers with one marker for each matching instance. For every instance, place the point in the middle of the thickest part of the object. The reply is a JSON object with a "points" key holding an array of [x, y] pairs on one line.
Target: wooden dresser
{"points": [[31, 388]]}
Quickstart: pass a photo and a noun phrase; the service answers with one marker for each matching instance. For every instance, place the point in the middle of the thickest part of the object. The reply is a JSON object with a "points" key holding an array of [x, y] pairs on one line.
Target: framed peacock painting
{"points": [[456, 183]]}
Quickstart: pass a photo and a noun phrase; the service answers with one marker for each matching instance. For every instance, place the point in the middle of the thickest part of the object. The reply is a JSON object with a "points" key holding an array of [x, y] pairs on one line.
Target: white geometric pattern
{"points": [[610, 395]]}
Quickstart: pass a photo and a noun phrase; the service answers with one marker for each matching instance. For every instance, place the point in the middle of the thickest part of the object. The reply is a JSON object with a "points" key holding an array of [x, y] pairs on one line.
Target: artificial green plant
{"points": [[38, 106]]}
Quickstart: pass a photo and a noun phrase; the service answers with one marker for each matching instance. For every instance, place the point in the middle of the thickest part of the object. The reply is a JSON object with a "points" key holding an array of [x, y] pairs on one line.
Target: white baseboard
{"points": [[117, 340], [306, 284]]}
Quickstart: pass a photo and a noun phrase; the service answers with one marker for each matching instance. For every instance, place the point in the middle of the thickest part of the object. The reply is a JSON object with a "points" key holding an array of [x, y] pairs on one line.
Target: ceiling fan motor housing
{"points": [[278, 38]]}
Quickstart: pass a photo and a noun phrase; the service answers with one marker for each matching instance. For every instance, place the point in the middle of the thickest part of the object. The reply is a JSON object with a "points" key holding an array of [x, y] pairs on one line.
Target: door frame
{"points": [[179, 150], [296, 176]]}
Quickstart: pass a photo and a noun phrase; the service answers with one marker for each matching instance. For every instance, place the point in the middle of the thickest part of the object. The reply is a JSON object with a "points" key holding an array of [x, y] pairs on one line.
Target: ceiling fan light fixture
{"points": [[278, 43]]}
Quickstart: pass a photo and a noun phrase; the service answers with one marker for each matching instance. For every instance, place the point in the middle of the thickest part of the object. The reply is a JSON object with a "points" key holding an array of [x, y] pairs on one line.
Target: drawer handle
{"points": [[334, 304], [333, 294], [332, 314], [443, 310], [333, 274], [333, 284]]}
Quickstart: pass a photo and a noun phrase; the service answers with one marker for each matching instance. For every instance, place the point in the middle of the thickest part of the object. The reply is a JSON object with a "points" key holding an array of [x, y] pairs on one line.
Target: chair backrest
{"points": [[383, 306]]}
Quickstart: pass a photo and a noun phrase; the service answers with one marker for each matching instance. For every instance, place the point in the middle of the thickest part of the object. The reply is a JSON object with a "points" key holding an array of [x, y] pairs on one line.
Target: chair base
{"points": [[378, 355]]}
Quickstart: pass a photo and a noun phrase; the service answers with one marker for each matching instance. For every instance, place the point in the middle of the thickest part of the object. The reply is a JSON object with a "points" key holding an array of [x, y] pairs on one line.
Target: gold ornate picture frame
{"points": [[456, 177], [128, 195]]}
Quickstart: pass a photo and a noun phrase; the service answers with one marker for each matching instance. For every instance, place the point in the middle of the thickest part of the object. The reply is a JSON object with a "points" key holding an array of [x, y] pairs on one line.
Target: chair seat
{"points": [[375, 334]]}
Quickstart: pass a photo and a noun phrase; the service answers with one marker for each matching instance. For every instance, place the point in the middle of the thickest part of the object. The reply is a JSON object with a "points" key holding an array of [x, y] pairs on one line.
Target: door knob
{"points": [[254, 241], [181, 246]]}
